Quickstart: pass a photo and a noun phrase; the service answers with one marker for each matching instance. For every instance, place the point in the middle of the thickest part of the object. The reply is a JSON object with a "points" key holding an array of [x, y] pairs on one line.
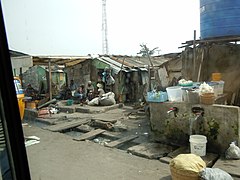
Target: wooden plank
{"points": [[209, 159], [87, 128], [105, 120], [121, 141], [89, 135], [66, 125], [101, 124]]}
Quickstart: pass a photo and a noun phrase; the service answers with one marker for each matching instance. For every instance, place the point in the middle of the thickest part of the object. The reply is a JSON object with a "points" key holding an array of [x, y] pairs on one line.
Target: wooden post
{"points": [[50, 79], [149, 76], [121, 86], [200, 67], [194, 54], [155, 74]]}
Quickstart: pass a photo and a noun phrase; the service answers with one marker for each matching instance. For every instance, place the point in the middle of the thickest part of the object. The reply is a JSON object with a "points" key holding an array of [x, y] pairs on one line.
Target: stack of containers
{"points": [[218, 83]]}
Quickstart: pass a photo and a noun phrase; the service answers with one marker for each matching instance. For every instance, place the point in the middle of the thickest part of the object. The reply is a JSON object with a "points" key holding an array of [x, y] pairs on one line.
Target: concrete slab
{"points": [[47, 121], [67, 109], [121, 141], [230, 166], [30, 114], [150, 150], [66, 125], [89, 135], [97, 109]]}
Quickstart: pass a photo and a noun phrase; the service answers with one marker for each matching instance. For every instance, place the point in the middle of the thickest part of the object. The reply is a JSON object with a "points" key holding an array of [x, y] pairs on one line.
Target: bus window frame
{"points": [[13, 126]]}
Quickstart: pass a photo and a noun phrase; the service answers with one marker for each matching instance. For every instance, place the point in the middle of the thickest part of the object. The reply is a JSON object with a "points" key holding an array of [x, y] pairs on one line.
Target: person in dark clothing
{"points": [[65, 93], [30, 92], [72, 86]]}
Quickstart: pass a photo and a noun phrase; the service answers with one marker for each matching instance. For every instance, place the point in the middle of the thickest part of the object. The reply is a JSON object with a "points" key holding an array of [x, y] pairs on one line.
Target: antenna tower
{"points": [[104, 28]]}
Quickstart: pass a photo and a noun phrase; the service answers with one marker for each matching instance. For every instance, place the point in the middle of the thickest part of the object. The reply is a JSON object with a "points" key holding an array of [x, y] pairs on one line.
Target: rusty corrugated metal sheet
{"points": [[59, 60], [139, 61]]}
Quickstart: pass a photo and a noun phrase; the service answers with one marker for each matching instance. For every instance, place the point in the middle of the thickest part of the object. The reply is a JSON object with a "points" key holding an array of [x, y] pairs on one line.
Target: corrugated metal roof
{"points": [[139, 61], [59, 60], [144, 61], [116, 66], [114, 61]]}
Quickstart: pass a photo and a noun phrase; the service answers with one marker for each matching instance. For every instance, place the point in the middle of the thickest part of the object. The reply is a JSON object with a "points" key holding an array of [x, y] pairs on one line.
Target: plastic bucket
{"points": [[174, 93], [198, 144]]}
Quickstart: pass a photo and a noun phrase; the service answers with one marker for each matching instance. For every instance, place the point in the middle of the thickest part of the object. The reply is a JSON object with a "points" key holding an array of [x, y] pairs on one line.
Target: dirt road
{"points": [[59, 157]]}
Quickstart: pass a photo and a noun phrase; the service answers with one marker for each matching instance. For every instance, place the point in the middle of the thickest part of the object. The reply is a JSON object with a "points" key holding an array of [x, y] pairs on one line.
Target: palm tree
{"points": [[145, 51]]}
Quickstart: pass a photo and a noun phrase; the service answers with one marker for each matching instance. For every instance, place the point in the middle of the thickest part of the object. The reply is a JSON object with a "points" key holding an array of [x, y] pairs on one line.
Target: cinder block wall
{"points": [[220, 123]]}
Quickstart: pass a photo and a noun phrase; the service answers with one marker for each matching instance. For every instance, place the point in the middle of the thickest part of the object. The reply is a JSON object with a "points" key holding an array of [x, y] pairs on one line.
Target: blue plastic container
{"points": [[219, 18], [157, 96]]}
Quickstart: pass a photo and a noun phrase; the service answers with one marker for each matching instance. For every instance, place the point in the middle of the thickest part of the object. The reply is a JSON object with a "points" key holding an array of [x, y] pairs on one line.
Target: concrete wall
{"points": [[220, 124], [24, 62]]}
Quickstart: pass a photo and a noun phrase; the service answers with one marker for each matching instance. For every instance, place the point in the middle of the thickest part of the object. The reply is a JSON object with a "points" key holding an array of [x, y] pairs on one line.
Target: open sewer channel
{"points": [[100, 139], [74, 133]]}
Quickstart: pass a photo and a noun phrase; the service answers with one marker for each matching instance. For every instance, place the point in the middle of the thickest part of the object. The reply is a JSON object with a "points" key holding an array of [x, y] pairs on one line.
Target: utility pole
{"points": [[104, 28]]}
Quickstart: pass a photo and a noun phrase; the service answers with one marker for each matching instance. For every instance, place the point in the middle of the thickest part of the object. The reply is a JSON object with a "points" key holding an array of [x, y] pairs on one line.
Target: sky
{"points": [[74, 27]]}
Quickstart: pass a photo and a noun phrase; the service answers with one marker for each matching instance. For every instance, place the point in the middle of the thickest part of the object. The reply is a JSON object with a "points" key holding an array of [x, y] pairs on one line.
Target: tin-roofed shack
{"points": [[141, 74], [54, 67], [38, 77], [131, 74]]}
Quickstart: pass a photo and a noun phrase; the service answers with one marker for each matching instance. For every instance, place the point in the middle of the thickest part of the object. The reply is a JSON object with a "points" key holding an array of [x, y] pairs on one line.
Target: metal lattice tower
{"points": [[104, 28]]}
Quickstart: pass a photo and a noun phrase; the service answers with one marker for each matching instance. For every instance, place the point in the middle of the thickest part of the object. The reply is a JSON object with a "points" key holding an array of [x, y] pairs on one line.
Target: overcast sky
{"points": [[74, 27]]}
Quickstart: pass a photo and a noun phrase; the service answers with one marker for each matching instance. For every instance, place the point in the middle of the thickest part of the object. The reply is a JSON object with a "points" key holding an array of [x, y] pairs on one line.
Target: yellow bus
{"points": [[20, 95]]}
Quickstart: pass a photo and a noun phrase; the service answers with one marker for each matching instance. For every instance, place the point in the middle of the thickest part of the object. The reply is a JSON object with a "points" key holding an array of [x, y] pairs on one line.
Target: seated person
{"points": [[90, 91], [72, 85], [30, 92], [80, 93], [100, 90], [65, 93]]}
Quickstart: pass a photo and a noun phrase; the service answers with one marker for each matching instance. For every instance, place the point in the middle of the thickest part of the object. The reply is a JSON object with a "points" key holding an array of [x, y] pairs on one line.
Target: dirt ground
{"points": [[58, 156]]}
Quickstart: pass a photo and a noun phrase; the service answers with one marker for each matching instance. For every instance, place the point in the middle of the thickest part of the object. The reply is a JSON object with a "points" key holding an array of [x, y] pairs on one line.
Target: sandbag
{"points": [[214, 174], [94, 102], [107, 99], [186, 166]]}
